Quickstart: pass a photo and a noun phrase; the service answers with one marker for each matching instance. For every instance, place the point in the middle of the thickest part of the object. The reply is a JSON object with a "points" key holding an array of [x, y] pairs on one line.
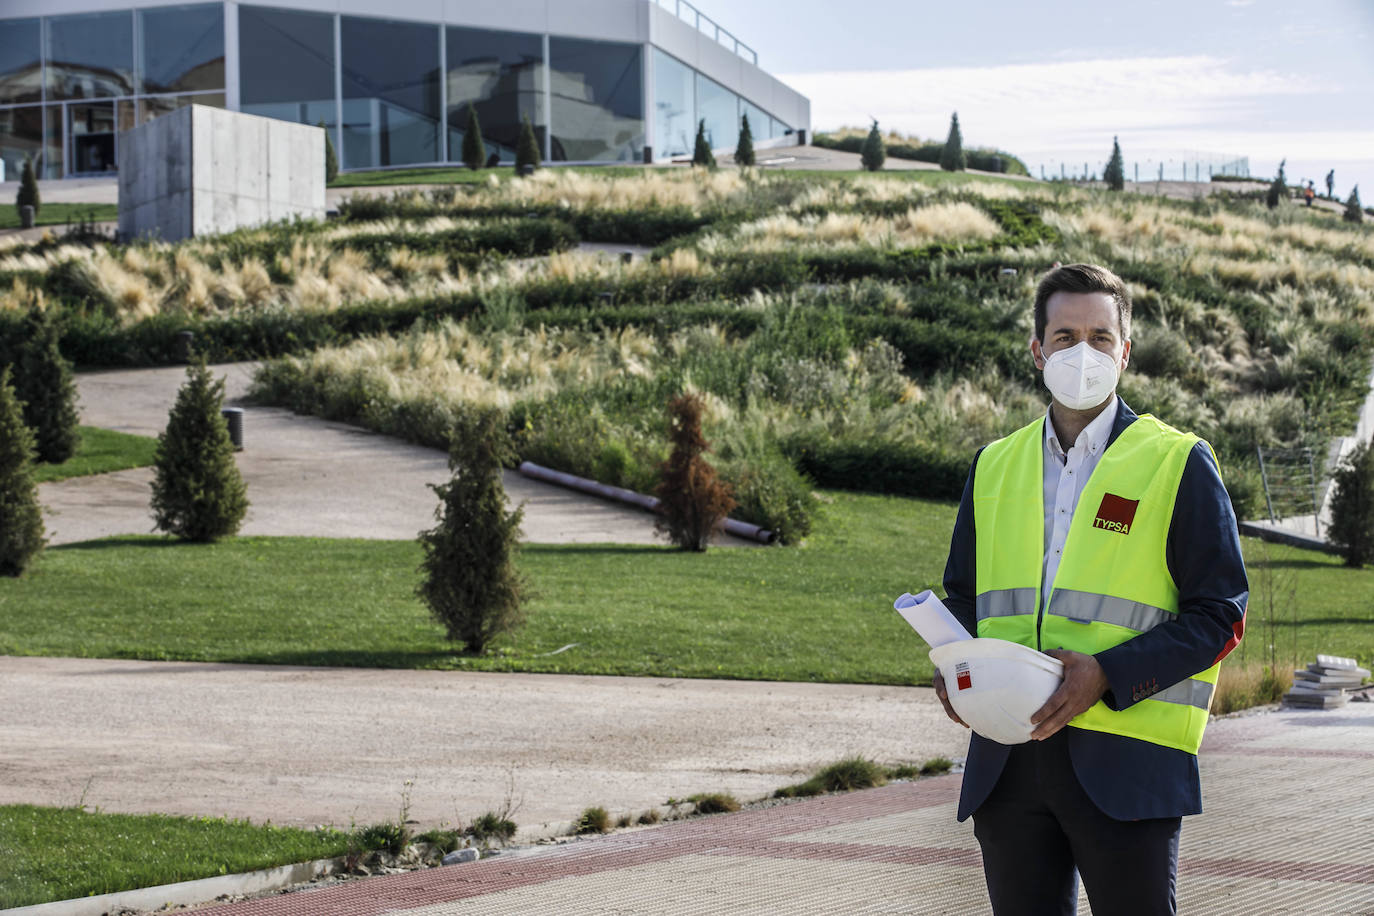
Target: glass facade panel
{"points": [[675, 113], [286, 65], [390, 93], [91, 125], [90, 56], [182, 48], [758, 119], [53, 147], [719, 107], [21, 71], [153, 106], [502, 75], [21, 135], [598, 101]]}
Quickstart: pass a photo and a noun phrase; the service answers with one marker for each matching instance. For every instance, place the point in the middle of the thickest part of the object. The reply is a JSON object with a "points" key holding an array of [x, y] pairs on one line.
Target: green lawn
{"points": [[61, 214], [100, 451], [61, 853], [815, 613]]}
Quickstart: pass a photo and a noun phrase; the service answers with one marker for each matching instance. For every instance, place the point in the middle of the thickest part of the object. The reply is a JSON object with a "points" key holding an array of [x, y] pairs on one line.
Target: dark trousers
{"points": [[1040, 833]]}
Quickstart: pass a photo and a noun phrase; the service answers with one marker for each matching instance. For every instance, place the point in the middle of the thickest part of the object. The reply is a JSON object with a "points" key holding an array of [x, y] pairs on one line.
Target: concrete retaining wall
{"points": [[200, 171]]}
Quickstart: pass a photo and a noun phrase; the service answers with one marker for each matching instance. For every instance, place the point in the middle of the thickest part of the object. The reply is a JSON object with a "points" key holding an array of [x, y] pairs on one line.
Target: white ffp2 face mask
{"points": [[1080, 377]]}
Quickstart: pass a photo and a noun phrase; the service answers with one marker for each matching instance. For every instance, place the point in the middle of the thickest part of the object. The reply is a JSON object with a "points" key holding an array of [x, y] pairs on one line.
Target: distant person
{"points": [[1308, 193], [1331, 185], [1107, 540]]}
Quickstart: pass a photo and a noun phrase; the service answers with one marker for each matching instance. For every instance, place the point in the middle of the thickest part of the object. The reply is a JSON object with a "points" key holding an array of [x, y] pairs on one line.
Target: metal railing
{"points": [[709, 27], [1290, 484]]}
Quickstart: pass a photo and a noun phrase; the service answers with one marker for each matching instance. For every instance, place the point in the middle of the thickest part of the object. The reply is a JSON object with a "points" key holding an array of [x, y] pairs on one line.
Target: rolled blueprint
{"points": [[930, 618]]}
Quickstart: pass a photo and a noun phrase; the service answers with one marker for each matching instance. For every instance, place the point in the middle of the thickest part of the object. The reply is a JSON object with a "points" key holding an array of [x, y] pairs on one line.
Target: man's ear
{"points": [[1038, 356], [1125, 354]]}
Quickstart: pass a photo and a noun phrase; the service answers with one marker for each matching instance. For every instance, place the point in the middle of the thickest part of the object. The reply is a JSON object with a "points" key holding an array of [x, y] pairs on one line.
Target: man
{"points": [[1108, 541]]}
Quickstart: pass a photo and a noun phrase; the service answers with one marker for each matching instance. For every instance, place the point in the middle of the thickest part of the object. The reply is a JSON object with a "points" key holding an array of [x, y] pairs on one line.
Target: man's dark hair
{"points": [[1082, 278]]}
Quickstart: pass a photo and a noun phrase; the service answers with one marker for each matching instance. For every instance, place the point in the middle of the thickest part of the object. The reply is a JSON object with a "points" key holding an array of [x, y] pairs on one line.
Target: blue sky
{"points": [[1267, 79]]}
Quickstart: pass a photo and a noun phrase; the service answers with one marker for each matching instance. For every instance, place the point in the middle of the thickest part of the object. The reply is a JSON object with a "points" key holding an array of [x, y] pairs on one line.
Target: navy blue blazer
{"points": [[1125, 777]]}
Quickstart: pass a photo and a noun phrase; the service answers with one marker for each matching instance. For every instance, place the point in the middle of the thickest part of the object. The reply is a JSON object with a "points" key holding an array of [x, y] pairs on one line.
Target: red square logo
{"points": [[962, 677], [1116, 513]]}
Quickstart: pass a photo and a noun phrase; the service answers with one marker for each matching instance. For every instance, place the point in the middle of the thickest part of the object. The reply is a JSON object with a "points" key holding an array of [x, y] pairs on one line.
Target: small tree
{"points": [[44, 384], [198, 493], [21, 520], [527, 148], [1115, 174], [693, 502], [873, 152], [952, 156], [470, 581], [474, 150], [1352, 507], [331, 159], [1354, 212], [1278, 188], [701, 154], [744, 149], [28, 189]]}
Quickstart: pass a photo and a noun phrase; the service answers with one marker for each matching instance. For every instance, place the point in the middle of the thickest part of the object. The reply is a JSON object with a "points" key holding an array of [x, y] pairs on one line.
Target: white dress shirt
{"points": [[1066, 474]]}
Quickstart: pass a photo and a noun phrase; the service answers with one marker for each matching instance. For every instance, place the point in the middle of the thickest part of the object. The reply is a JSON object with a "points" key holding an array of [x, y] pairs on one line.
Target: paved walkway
{"points": [[1289, 799], [306, 476]]}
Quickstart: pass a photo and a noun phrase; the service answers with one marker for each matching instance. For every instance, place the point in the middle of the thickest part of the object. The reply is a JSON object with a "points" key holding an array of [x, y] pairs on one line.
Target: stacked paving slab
{"points": [[1325, 683]]}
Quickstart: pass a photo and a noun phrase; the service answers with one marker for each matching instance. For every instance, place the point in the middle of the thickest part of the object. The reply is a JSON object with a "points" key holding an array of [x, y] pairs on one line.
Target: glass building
{"points": [[598, 80]]}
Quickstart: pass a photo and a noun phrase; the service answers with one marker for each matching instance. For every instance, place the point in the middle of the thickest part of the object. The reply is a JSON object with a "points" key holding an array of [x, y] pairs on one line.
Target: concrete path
{"points": [[306, 476], [307, 746], [1288, 796]]}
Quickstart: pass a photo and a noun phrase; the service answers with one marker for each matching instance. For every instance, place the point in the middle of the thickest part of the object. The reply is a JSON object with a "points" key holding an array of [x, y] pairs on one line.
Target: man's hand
{"points": [[943, 694], [1084, 683]]}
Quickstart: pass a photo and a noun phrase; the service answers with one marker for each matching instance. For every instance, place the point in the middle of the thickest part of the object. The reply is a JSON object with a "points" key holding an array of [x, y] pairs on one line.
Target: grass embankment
{"points": [[100, 452], [62, 853], [62, 214], [814, 613]]}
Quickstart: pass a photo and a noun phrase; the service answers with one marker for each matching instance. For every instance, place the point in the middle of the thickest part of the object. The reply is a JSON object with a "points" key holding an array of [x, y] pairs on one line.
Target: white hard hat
{"points": [[995, 685]]}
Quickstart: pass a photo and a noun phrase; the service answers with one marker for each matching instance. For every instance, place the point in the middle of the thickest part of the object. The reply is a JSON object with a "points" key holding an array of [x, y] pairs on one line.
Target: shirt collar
{"points": [[1093, 437]]}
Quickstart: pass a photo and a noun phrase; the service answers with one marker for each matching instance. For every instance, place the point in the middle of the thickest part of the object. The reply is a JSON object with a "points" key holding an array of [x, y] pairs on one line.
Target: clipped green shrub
{"points": [[880, 466], [872, 153], [198, 493], [44, 383], [701, 151], [1115, 173], [27, 195], [714, 803], [470, 582], [592, 820], [526, 148], [474, 150], [1352, 507], [744, 149], [693, 501], [331, 158], [952, 156], [21, 518]]}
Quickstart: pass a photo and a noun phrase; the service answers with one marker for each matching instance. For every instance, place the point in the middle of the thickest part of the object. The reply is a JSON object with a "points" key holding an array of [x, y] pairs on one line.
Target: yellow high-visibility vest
{"points": [[1113, 580]]}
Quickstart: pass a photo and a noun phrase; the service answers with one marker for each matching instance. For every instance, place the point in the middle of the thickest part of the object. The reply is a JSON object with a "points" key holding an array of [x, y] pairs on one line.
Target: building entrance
{"points": [[91, 127]]}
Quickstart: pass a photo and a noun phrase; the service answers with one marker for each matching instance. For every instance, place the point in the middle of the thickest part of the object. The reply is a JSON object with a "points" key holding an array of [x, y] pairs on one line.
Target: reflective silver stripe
{"points": [[1189, 692], [1086, 607], [1005, 602]]}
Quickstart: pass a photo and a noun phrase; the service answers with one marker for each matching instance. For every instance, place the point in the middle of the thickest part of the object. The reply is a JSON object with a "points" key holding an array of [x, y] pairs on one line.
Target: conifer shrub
{"points": [[872, 153], [21, 520], [198, 493], [44, 384], [527, 148], [28, 190], [331, 158], [952, 156], [470, 582], [474, 150], [701, 153], [1278, 188], [693, 501], [1115, 173], [1354, 213], [1352, 507], [744, 149]]}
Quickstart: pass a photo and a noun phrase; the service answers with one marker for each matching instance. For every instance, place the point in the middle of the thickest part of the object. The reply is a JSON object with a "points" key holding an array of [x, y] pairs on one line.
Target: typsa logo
{"points": [[1116, 513], [962, 676]]}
